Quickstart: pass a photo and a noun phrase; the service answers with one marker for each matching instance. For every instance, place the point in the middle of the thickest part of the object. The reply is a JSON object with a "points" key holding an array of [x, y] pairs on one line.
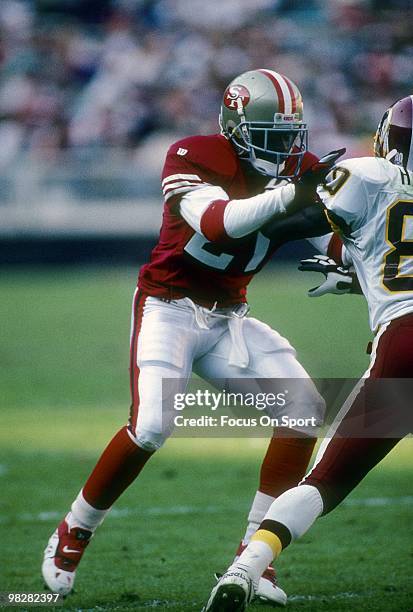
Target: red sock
{"points": [[118, 466], [285, 462]]}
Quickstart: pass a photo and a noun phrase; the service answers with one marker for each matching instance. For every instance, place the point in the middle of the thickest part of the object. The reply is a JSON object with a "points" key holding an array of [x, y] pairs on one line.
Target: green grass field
{"points": [[64, 392]]}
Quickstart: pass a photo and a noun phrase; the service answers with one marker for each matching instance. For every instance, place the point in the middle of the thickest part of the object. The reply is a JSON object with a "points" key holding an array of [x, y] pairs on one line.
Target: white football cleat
{"points": [[268, 589], [62, 555], [232, 593]]}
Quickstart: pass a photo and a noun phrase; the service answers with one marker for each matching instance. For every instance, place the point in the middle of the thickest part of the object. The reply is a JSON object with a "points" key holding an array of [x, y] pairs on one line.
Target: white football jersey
{"points": [[369, 201]]}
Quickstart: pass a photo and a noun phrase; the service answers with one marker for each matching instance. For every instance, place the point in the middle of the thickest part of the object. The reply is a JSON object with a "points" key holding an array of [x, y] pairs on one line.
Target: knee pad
{"points": [[305, 408], [154, 413], [309, 402], [319, 406], [148, 440]]}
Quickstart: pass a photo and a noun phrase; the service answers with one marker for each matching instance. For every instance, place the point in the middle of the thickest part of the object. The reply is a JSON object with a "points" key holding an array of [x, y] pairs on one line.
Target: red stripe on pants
{"points": [[138, 307]]}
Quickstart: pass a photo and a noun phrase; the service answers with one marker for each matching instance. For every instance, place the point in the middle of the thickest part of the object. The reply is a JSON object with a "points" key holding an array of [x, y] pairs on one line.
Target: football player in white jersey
{"points": [[370, 202]]}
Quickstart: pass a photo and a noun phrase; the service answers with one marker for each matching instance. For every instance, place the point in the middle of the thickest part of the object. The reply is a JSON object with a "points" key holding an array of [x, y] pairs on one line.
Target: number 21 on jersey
{"points": [[211, 255]]}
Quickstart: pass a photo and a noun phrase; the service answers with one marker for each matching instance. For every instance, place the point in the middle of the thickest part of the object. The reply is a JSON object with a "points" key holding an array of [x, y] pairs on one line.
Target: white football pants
{"points": [[170, 340]]}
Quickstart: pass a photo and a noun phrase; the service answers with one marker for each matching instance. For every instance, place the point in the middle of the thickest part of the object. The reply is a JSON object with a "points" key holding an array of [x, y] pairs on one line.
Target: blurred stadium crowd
{"points": [[81, 74]]}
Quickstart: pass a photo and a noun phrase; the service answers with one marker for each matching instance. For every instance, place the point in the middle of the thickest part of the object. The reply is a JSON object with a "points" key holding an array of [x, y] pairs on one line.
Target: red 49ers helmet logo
{"points": [[234, 93]]}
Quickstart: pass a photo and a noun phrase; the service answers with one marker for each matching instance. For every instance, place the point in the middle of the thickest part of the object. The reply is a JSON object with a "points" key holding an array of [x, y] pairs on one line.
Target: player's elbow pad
{"points": [[226, 219], [212, 221]]}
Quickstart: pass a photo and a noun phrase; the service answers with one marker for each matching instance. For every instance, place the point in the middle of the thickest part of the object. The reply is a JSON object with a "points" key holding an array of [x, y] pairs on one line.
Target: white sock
{"points": [[259, 508], [297, 509], [255, 558], [84, 515]]}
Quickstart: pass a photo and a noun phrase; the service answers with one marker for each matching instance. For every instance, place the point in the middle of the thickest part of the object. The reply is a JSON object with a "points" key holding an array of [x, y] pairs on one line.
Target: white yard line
{"points": [[160, 511], [116, 513], [406, 500], [345, 595]]}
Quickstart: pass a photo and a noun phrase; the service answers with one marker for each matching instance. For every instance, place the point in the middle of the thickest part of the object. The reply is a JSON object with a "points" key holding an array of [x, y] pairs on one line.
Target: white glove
{"points": [[338, 280]]}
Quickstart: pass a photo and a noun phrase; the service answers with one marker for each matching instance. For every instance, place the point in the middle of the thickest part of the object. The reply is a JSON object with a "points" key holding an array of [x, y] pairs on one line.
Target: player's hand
{"points": [[306, 186], [338, 280]]}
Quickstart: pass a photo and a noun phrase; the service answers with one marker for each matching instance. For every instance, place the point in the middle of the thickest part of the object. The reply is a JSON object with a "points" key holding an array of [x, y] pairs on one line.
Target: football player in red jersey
{"points": [[190, 305]]}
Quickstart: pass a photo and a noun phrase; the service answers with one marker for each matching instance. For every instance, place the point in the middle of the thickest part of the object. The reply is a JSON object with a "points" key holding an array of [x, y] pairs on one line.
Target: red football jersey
{"points": [[184, 263]]}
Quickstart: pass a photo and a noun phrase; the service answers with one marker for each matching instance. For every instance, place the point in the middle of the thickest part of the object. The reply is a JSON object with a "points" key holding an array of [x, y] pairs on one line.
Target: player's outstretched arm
{"points": [[209, 211], [306, 217], [242, 217], [306, 223]]}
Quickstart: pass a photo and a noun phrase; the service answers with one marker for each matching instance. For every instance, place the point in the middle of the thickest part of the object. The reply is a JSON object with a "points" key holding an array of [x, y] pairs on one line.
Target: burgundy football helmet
{"points": [[394, 136]]}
